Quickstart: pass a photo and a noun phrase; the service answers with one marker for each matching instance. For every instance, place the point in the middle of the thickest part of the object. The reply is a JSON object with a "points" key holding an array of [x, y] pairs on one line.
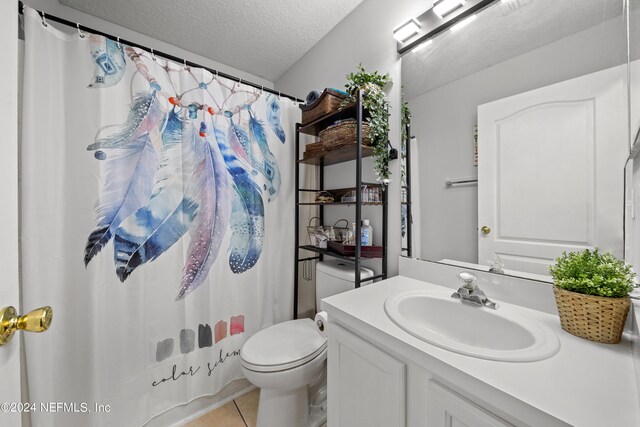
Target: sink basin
{"points": [[502, 334]]}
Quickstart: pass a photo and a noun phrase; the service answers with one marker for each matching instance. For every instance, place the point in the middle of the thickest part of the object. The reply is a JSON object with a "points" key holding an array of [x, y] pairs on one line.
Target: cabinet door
{"points": [[366, 385], [448, 409]]}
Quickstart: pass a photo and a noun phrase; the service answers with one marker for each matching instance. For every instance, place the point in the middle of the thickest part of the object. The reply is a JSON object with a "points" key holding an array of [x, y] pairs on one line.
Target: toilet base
{"points": [[284, 394], [283, 408]]}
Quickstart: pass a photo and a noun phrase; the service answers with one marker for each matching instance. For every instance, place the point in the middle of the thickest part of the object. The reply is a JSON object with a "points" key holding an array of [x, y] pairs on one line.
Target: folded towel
{"points": [[312, 97]]}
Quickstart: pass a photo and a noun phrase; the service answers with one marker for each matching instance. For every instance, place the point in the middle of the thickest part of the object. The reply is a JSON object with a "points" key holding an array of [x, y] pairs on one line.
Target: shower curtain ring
{"points": [[79, 31], [44, 19], [118, 41], [279, 96], [185, 65], [153, 55]]}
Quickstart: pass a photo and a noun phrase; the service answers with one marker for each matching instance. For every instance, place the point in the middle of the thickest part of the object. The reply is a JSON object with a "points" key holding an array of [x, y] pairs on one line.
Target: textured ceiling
{"points": [[499, 34], [260, 37]]}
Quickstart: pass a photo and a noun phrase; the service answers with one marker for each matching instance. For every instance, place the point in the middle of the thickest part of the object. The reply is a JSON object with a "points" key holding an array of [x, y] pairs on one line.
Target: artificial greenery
{"points": [[376, 104], [593, 273]]}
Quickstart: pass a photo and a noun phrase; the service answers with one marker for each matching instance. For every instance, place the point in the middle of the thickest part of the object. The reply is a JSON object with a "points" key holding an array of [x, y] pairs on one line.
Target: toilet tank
{"points": [[334, 277]]}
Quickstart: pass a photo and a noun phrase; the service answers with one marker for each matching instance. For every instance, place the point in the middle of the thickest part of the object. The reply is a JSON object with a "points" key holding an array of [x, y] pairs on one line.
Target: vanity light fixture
{"points": [[444, 15], [405, 31], [422, 45], [444, 7], [464, 23]]}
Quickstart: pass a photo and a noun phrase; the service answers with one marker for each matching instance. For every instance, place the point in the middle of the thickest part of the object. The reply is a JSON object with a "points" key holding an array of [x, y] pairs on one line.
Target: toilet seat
{"points": [[283, 346]]}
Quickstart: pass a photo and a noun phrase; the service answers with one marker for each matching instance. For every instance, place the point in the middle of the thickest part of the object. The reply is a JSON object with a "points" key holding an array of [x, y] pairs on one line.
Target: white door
{"points": [[550, 173], [10, 353]]}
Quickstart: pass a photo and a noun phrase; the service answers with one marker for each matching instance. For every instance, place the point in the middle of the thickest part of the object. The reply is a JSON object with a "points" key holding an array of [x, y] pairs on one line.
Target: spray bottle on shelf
{"points": [[367, 233]]}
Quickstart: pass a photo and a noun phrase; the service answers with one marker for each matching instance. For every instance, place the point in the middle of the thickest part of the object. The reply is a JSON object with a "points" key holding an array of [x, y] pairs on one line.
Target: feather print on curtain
{"points": [[155, 204], [146, 223]]}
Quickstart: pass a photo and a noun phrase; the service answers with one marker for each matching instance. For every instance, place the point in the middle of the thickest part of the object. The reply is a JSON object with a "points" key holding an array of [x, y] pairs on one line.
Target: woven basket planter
{"points": [[599, 319], [327, 103], [343, 133]]}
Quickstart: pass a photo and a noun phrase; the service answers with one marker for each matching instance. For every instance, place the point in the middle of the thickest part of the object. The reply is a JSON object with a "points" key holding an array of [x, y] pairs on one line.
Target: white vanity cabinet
{"points": [[380, 375], [367, 388], [366, 385], [446, 408]]}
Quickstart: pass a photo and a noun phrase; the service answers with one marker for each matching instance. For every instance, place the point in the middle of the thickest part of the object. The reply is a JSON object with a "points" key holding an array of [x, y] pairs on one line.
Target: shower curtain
{"points": [[157, 203]]}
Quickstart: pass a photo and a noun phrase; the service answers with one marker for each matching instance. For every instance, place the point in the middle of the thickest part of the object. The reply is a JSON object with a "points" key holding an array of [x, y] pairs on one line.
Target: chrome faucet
{"points": [[470, 293]]}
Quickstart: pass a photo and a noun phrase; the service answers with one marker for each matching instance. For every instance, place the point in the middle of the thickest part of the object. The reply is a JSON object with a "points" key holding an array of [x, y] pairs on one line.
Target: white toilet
{"points": [[284, 359]]}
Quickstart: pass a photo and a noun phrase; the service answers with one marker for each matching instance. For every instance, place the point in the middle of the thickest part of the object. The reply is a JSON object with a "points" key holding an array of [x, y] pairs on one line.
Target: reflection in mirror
{"points": [[632, 172], [521, 135], [409, 227]]}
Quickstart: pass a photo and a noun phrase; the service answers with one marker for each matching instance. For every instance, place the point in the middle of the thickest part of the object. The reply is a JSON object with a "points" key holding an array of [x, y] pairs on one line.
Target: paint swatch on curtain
{"points": [[204, 336], [237, 325], [187, 341], [220, 330], [164, 349]]}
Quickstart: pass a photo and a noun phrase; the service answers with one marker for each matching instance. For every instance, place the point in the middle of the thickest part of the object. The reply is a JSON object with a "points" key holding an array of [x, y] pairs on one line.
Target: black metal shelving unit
{"points": [[342, 154], [407, 188]]}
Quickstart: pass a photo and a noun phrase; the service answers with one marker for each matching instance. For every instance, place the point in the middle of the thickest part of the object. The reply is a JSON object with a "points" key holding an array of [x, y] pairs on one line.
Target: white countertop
{"points": [[584, 384]]}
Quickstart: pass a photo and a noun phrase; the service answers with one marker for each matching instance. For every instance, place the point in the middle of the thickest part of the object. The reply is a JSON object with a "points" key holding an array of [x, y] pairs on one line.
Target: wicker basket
{"points": [[327, 103], [313, 150], [343, 133], [599, 319]]}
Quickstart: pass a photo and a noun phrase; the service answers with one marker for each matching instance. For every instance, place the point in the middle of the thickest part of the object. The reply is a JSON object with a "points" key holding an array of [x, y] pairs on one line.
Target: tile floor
{"points": [[241, 412]]}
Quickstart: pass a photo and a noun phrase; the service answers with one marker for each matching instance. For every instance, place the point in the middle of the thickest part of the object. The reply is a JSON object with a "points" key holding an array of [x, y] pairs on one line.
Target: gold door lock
{"points": [[37, 320], [485, 229]]}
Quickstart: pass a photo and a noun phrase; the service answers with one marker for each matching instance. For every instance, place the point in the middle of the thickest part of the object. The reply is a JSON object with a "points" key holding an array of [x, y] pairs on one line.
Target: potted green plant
{"points": [[592, 294], [376, 104]]}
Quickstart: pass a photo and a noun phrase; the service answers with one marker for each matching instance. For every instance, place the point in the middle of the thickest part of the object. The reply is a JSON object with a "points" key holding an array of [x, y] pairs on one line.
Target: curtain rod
{"points": [[156, 52]]}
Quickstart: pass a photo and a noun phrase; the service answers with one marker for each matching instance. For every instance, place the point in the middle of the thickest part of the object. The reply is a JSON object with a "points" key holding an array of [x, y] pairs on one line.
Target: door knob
{"points": [[485, 229], [37, 320]]}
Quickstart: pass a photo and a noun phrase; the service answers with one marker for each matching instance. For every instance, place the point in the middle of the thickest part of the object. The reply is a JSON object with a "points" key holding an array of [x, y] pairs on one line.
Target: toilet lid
{"points": [[283, 346]]}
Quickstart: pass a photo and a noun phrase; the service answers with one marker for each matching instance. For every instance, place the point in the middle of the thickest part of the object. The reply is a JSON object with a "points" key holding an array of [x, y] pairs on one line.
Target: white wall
{"points": [[443, 122], [364, 36], [53, 7]]}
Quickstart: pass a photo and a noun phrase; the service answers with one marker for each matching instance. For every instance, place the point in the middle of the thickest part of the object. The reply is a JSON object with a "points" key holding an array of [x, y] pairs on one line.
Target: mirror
{"points": [[632, 172], [521, 126]]}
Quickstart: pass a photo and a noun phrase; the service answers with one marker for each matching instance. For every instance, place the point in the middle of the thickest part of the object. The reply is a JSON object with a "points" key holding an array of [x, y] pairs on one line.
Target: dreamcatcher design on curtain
{"points": [[183, 163]]}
